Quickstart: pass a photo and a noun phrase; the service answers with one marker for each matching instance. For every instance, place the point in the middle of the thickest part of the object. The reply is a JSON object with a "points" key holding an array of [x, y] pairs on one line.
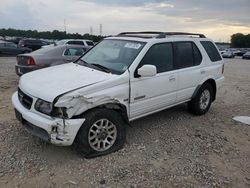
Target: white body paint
{"points": [[79, 88]]}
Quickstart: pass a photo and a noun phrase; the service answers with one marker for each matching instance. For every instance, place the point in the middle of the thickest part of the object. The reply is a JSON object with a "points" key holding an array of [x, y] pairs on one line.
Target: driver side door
{"points": [[151, 94]]}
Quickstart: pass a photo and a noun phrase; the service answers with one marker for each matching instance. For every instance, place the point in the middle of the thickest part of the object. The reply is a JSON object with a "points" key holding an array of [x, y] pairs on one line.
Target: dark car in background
{"points": [[46, 57], [241, 52], [15, 39], [246, 55], [10, 48], [33, 44]]}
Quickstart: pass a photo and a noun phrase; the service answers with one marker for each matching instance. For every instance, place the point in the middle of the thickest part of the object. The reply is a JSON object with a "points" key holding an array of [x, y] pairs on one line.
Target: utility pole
{"points": [[91, 30], [100, 29], [65, 25]]}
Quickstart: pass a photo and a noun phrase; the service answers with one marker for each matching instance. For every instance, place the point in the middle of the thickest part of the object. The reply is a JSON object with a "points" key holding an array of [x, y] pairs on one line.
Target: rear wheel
{"points": [[202, 101], [102, 132]]}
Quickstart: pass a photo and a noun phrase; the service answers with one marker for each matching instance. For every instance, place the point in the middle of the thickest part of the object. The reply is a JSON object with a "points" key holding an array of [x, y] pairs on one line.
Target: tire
{"points": [[202, 101], [91, 141]]}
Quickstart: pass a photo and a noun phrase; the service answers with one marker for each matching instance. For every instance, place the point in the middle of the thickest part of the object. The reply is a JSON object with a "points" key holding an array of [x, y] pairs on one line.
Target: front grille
{"points": [[24, 99]]}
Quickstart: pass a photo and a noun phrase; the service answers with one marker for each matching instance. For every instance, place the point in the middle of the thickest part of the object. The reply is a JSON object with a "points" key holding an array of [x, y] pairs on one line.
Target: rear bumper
{"points": [[54, 130], [20, 69], [219, 81]]}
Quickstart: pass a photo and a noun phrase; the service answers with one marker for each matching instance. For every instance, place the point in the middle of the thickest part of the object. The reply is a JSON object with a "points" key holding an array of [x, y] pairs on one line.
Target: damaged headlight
{"points": [[43, 106], [48, 109], [59, 112]]}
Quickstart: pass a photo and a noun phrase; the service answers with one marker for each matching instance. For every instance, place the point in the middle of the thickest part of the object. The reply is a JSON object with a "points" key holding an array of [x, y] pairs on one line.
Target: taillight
{"points": [[31, 61], [222, 71]]}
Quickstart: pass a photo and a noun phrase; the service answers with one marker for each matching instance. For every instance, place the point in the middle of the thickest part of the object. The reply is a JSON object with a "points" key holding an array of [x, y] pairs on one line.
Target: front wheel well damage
{"points": [[120, 108]]}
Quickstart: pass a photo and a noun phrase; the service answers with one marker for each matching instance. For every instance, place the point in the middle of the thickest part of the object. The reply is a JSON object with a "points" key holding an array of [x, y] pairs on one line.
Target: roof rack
{"points": [[146, 34]]}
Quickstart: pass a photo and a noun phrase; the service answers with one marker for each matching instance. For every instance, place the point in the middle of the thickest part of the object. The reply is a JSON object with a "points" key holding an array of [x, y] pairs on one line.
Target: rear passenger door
{"points": [[187, 61], [150, 94]]}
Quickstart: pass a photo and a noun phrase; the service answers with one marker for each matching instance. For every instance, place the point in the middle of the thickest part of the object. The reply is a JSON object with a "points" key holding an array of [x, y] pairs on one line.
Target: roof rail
{"points": [[146, 34]]}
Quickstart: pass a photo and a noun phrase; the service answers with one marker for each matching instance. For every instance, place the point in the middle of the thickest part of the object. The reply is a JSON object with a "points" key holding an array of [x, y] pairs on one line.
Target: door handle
{"points": [[172, 78]]}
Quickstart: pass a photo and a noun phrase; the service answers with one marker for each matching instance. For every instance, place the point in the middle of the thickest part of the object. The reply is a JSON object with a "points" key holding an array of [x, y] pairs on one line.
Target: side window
{"points": [[197, 55], [90, 43], [183, 52], [211, 50], [10, 45], [186, 54], [74, 52], [160, 55]]}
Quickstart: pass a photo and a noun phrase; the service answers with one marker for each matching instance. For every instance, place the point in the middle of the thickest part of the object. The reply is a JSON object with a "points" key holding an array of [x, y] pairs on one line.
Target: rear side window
{"points": [[74, 51], [90, 43], [160, 55], [186, 55], [197, 55], [211, 50]]}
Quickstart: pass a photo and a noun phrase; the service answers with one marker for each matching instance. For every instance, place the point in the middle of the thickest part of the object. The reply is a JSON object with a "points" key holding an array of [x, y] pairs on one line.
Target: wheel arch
{"points": [[212, 83], [120, 108]]}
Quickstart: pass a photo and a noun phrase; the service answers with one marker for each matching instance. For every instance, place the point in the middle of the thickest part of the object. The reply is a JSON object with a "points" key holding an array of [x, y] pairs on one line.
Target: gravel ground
{"points": [[168, 149]]}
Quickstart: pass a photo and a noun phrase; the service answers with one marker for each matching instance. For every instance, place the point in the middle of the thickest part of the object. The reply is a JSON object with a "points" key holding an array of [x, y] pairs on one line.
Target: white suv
{"points": [[89, 102]]}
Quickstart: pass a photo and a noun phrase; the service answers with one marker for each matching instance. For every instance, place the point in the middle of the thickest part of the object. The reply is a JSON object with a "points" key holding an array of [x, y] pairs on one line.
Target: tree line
{"points": [[240, 40], [55, 35]]}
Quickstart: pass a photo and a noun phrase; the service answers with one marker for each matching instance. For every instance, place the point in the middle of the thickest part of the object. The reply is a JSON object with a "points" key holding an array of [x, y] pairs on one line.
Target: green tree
{"points": [[240, 40]]}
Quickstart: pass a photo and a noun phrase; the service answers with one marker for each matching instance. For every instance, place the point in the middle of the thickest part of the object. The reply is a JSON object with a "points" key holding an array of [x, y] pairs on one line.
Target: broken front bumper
{"points": [[54, 130]]}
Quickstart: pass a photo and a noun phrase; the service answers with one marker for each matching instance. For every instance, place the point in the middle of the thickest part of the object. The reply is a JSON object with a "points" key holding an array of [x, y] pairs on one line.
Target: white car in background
{"points": [[82, 42]]}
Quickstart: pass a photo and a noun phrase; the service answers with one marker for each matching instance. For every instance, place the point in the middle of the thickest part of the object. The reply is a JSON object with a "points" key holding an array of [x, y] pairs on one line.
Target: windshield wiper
{"points": [[83, 61], [105, 69]]}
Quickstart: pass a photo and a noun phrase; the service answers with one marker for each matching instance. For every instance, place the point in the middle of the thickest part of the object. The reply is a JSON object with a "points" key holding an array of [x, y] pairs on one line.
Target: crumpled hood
{"points": [[48, 83]]}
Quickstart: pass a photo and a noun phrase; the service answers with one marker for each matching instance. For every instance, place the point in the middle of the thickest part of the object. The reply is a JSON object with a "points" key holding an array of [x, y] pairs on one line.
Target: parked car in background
{"points": [[82, 42], [47, 57], [246, 55], [33, 44], [228, 54], [240, 52], [15, 39], [10, 48], [222, 51], [88, 43]]}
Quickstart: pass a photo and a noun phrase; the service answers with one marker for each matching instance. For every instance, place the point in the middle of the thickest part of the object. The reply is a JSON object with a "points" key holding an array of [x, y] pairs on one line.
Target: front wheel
{"points": [[202, 101], [102, 132]]}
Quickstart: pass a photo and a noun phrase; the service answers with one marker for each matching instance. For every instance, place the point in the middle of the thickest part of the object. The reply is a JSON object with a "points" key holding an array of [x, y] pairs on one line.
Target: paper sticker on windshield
{"points": [[132, 45]]}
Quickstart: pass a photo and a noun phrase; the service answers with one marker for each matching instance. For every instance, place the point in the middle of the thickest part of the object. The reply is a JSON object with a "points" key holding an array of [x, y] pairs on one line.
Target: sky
{"points": [[217, 19]]}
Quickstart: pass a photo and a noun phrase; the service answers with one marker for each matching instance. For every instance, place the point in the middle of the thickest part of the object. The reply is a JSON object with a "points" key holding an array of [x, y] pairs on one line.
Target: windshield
{"points": [[115, 55]]}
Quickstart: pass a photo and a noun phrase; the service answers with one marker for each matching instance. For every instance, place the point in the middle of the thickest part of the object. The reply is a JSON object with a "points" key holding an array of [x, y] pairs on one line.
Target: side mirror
{"points": [[147, 71]]}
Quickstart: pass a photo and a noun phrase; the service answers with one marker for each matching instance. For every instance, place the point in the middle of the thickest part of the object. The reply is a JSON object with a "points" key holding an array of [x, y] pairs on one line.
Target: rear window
{"points": [[74, 51], [76, 42], [211, 50]]}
